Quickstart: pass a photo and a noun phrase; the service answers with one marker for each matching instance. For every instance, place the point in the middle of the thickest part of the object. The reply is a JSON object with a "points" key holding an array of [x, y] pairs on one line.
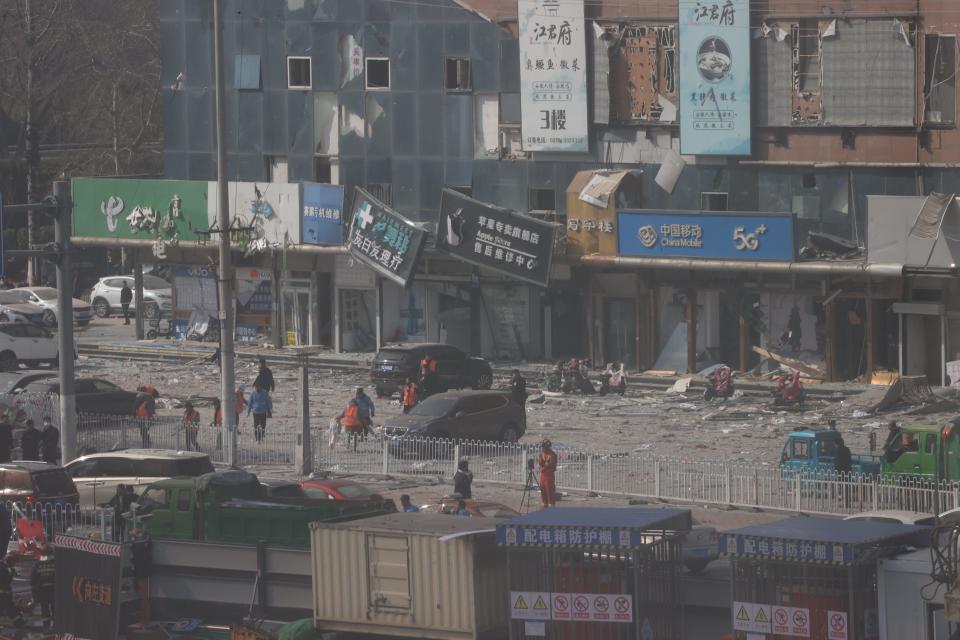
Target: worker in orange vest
{"points": [[350, 420], [548, 474], [409, 399], [191, 426], [428, 375]]}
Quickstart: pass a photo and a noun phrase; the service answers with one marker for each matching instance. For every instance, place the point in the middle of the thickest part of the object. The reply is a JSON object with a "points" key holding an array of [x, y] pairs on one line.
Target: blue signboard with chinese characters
{"points": [[767, 548], [715, 77], [550, 536], [706, 235], [383, 239], [322, 214]]}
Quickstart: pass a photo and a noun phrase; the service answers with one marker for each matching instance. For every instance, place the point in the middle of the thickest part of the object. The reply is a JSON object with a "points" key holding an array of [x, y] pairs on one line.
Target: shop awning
{"points": [[819, 540], [814, 267], [589, 527]]}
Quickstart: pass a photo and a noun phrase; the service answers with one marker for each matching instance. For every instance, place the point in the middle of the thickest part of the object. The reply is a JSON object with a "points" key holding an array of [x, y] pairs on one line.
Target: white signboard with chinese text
{"points": [[553, 75], [272, 211]]}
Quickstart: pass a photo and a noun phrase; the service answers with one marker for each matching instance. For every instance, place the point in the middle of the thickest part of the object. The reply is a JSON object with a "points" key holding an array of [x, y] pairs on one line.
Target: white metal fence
{"points": [[640, 475]]}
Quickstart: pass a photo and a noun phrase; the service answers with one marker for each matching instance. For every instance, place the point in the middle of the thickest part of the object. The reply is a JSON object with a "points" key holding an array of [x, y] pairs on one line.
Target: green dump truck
{"points": [[923, 451], [230, 506]]}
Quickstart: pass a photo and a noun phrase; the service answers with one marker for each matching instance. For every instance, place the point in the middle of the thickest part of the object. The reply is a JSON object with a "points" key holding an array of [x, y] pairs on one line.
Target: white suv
{"points": [[157, 296], [28, 344]]}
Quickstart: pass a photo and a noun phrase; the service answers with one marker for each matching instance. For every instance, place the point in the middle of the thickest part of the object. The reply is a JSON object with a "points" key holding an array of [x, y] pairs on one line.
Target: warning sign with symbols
{"points": [[837, 625], [530, 605], [749, 616], [791, 621], [561, 606]]}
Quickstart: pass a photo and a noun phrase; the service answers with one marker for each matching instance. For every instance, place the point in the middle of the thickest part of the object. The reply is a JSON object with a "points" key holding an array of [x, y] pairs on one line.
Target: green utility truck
{"points": [[230, 506], [924, 451]]}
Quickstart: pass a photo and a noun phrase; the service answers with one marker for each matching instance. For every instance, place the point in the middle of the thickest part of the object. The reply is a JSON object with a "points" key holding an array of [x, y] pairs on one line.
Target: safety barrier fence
{"points": [[59, 518], [640, 475]]}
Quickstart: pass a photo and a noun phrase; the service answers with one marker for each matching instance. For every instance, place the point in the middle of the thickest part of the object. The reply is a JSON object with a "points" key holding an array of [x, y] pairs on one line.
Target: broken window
{"points": [[378, 73], [940, 80], [277, 169], [326, 170], [713, 201], [806, 106], [382, 191], [299, 75], [542, 200], [458, 74], [643, 73], [246, 71]]}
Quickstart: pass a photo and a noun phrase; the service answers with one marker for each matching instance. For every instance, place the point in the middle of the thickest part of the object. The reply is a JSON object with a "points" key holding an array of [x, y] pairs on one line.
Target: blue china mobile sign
{"points": [[706, 235], [322, 214], [714, 77]]}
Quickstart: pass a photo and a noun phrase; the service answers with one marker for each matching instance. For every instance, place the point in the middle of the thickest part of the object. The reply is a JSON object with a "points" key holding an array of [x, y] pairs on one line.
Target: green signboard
{"points": [[140, 209]]}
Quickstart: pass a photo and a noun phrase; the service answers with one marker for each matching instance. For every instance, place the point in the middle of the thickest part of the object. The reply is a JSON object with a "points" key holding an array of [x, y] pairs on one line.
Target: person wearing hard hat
{"points": [[548, 474]]}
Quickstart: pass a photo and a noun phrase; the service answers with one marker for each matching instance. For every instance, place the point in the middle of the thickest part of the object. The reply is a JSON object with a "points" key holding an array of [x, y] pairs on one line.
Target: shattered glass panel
{"points": [[403, 54], [459, 126], [406, 179], [376, 40], [431, 185], [405, 121], [377, 115], [299, 37], [351, 10], [326, 126], [326, 76], [430, 41], [326, 10], [484, 41], [300, 122], [378, 10], [457, 39], [352, 128], [431, 110], [200, 120]]}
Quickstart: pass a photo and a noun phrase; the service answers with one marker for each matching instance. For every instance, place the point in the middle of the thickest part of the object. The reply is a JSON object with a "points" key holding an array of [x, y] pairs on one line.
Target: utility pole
{"points": [[68, 400], [225, 271], [31, 143]]}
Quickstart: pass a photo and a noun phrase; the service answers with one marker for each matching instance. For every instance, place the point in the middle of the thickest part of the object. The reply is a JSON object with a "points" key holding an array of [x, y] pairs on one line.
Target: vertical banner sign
{"points": [[322, 212], [553, 75], [88, 588], [715, 77]]}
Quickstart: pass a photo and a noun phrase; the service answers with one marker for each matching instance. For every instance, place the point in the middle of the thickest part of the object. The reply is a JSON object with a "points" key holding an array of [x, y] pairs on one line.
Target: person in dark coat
{"points": [[49, 442], [126, 296], [30, 442], [518, 388], [7, 606], [120, 503], [43, 582], [6, 438], [264, 377], [462, 480]]}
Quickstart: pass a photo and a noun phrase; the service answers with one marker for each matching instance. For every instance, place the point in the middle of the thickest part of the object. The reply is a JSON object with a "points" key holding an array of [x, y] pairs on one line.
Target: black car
{"points": [[23, 482], [461, 415], [455, 369], [94, 396]]}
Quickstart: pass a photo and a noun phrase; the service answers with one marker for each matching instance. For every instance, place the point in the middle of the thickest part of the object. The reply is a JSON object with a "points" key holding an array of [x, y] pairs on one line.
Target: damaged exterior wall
{"points": [[643, 72]]}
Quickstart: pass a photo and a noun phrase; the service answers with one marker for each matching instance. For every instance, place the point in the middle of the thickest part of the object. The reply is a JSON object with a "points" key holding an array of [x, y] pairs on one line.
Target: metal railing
{"points": [[96, 523], [640, 475]]}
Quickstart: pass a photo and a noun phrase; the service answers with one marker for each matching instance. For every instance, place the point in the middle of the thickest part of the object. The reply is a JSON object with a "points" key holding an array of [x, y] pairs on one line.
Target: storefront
{"points": [[282, 275]]}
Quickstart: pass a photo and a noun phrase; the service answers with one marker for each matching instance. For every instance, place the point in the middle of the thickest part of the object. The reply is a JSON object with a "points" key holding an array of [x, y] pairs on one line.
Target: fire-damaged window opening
{"points": [[643, 73], [326, 170], [458, 74], [542, 200], [713, 201], [378, 73], [807, 105], [940, 80], [299, 74]]}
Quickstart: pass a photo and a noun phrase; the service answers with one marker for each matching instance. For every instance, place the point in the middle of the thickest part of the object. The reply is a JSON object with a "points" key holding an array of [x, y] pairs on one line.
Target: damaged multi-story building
{"points": [[734, 177]]}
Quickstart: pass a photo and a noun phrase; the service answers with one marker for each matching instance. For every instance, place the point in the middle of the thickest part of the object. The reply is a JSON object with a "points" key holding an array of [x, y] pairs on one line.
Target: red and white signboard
{"points": [[837, 625], [561, 606], [592, 607], [791, 621]]}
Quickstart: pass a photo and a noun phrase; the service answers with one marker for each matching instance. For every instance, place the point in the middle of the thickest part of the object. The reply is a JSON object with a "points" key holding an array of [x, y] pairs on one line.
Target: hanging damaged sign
{"points": [[499, 239], [383, 239]]}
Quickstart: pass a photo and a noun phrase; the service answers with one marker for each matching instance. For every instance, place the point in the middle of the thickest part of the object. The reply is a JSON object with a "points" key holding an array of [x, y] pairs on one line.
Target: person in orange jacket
{"points": [[351, 422], [409, 398], [428, 375], [548, 474], [191, 426]]}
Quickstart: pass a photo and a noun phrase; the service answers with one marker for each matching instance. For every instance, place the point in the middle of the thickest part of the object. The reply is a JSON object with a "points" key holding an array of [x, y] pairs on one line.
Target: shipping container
{"points": [[909, 605], [413, 575]]}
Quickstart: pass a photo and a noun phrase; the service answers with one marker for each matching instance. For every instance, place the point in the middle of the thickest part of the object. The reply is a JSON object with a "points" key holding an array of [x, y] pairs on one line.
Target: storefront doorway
{"points": [[358, 324], [295, 308], [619, 332]]}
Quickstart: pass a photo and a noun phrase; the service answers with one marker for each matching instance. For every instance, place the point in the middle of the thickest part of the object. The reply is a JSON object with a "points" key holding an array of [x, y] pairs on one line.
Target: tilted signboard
{"points": [[383, 239], [516, 245]]}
